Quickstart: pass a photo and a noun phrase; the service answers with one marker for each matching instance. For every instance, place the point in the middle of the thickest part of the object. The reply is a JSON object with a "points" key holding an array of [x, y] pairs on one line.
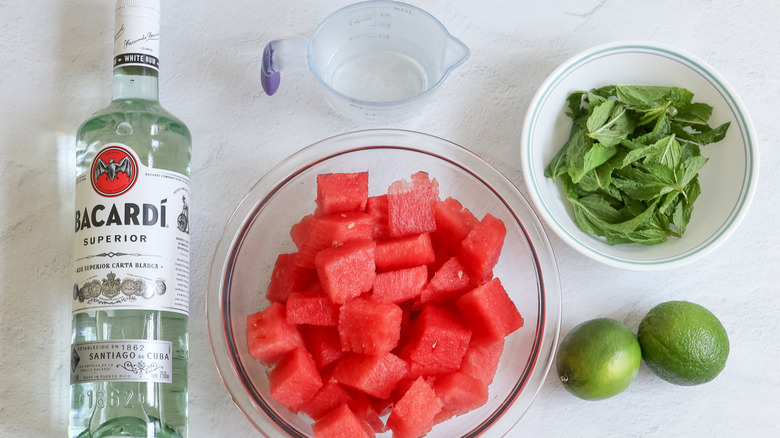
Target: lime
{"points": [[598, 359], [683, 343]]}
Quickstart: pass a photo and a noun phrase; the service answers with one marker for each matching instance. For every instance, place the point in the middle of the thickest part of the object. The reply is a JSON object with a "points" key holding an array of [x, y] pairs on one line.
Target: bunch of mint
{"points": [[630, 166]]}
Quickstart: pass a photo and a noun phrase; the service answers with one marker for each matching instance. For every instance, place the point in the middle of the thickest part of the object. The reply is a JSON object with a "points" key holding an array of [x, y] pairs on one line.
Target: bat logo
{"points": [[114, 171], [112, 168]]}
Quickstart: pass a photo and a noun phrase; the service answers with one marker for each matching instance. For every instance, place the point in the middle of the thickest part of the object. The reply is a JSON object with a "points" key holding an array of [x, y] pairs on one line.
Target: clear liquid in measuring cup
{"points": [[379, 76]]}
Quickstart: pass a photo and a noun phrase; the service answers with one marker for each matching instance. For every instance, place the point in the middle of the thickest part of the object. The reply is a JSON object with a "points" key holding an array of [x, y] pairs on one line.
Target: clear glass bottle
{"points": [[131, 250]]}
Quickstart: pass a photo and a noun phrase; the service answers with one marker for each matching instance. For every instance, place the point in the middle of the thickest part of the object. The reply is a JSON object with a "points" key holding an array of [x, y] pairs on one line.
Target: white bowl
{"points": [[728, 180]]}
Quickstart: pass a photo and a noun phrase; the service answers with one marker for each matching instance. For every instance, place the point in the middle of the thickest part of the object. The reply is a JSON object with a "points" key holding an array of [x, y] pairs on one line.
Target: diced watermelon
{"points": [[410, 205], [270, 336], [453, 223], [383, 406], [414, 413], [362, 406], [295, 380], [401, 387], [287, 277], [368, 327], [334, 230], [300, 231], [373, 375], [340, 192], [405, 252], [489, 310], [346, 271], [330, 396], [400, 285], [410, 313], [441, 255], [481, 248], [460, 393], [482, 357], [437, 343], [311, 308], [376, 207], [448, 283], [341, 422], [389, 307], [323, 343]]}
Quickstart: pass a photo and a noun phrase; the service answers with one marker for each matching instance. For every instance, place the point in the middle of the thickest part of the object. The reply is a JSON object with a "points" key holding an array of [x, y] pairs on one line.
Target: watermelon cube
{"points": [[410, 205], [489, 310], [334, 230], [330, 396], [448, 283], [460, 393], [400, 285], [346, 271], [341, 422], [369, 327], [404, 252], [376, 207], [361, 405], [413, 415], [322, 343], [270, 336], [300, 231], [295, 380], [453, 223], [311, 308], [481, 248], [287, 277], [437, 343], [340, 192], [482, 357], [372, 375]]}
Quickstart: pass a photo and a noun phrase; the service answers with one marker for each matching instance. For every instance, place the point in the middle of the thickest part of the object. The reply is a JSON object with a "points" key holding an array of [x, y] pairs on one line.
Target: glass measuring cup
{"points": [[375, 60]]}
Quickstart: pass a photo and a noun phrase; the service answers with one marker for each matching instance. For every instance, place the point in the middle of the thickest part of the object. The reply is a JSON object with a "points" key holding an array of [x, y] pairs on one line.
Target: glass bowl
{"points": [[259, 230]]}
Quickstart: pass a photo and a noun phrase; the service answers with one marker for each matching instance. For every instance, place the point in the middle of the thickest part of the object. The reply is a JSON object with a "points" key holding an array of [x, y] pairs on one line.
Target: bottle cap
{"points": [[137, 33], [150, 4]]}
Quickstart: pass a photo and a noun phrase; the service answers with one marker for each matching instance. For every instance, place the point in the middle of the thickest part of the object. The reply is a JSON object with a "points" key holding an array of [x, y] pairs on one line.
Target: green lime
{"points": [[683, 343], [598, 359]]}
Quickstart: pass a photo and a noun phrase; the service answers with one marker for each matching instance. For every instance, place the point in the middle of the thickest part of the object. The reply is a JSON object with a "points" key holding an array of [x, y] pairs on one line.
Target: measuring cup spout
{"points": [[279, 55], [456, 53]]}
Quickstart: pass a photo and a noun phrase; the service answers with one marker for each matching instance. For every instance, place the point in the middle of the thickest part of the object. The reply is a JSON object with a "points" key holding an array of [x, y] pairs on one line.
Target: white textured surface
{"points": [[56, 71]]}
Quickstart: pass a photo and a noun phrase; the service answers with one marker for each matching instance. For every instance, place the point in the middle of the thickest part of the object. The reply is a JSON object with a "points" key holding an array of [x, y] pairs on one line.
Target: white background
{"points": [[56, 70]]}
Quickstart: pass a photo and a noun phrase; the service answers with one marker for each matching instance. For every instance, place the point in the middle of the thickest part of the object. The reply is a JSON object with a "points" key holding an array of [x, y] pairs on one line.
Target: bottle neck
{"points": [[136, 50], [136, 83]]}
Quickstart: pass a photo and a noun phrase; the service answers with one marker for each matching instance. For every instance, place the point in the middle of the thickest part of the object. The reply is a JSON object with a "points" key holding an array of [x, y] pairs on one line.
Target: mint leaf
{"points": [[587, 155], [601, 218], [630, 166], [648, 97], [559, 165], [693, 114], [684, 210], [688, 170], [575, 105], [704, 136], [609, 123], [647, 182], [661, 128], [666, 150]]}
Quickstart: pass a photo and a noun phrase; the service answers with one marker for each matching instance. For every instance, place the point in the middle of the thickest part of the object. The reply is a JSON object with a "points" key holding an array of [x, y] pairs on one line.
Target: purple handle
{"points": [[270, 78]]}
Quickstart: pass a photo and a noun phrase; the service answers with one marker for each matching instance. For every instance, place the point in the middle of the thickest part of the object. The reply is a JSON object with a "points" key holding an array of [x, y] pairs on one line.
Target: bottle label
{"points": [[131, 247], [132, 360], [137, 38]]}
